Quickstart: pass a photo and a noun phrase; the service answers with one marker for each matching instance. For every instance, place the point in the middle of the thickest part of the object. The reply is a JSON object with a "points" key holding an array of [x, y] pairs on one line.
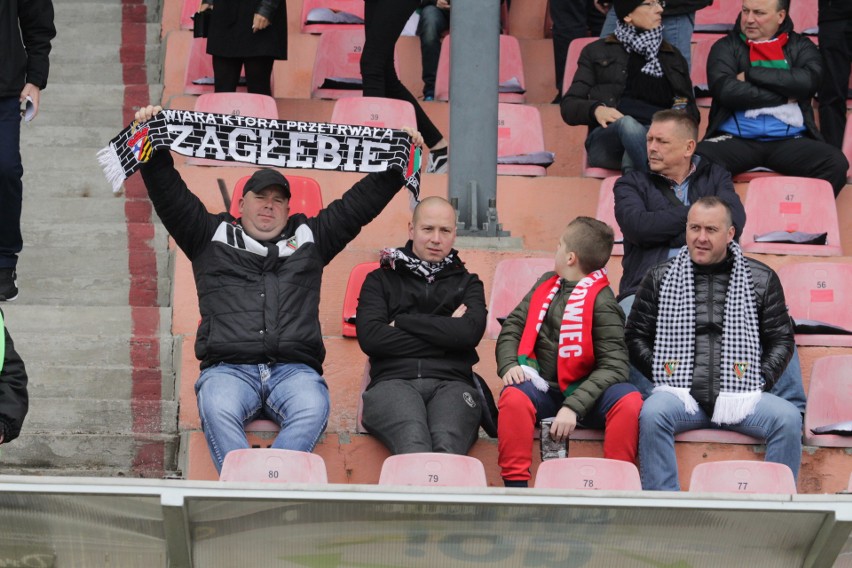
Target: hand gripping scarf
{"points": [[576, 356], [262, 142], [674, 348]]}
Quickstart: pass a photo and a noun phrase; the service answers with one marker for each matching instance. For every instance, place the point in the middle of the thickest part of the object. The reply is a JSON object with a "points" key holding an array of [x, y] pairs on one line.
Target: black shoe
{"points": [[8, 284]]}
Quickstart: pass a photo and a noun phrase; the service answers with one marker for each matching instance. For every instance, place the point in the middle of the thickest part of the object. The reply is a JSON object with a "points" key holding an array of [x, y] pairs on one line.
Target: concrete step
{"points": [[87, 184], [95, 53], [70, 322], [108, 96], [89, 115], [91, 416], [82, 236], [111, 72], [66, 135], [100, 263], [62, 381], [83, 290], [68, 161], [103, 208], [85, 11], [68, 38]]}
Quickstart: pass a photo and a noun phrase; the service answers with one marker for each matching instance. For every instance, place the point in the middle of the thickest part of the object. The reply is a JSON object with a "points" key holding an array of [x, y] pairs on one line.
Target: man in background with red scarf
{"points": [[762, 77]]}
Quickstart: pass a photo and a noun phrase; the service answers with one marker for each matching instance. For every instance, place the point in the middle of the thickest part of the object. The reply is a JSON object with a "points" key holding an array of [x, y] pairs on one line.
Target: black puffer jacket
{"points": [[425, 341], [14, 401], [678, 7], [601, 78], [711, 284], [258, 307], [831, 10], [26, 28], [231, 32], [763, 87]]}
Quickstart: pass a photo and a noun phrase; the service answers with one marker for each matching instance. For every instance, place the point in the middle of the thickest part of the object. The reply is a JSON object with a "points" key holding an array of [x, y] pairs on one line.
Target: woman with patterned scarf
{"points": [[621, 81]]}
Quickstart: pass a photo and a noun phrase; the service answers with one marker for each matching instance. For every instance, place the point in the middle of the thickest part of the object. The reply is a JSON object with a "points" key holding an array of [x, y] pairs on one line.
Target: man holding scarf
{"points": [[762, 76], [711, 329], [420, 317]]}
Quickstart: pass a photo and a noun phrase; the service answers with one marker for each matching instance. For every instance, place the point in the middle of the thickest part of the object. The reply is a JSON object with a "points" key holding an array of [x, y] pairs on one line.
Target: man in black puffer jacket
{"points": [[420, 317], [14, 401], [258, 280], [711, 328]]}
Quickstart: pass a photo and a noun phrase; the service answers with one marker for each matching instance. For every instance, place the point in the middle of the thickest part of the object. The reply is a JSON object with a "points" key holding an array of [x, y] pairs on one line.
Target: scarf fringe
{"points": [[689, 403], [536, 379], [111, 164], [733, 408]]}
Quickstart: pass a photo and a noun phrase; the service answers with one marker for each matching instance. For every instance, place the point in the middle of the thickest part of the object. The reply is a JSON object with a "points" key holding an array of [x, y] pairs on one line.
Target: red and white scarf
{"points": [[576, 356]]}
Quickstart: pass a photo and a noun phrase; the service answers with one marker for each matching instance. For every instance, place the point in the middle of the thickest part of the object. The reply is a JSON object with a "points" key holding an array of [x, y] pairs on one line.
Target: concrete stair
{"points": [[100, 361]]}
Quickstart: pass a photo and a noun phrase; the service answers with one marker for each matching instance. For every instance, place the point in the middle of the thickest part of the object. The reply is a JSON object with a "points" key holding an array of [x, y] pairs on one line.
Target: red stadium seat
{"points": [[433, 470], [354, 7], [338, 58], [198, 78], [847, 143], [606, 212], [698, 68], [595, 172], [305, 196], [819, 291], [738, 476], [829, 394], [374, 111], [513, 278], [756, 173], [511, 67], [353, 290], [519, 132], [587, 473], [782, 203], [273, 466], [719, 16], [572, 61], [805, 16]]}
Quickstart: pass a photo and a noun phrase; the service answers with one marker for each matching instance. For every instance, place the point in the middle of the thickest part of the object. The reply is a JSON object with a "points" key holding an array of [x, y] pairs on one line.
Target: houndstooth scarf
{"points": [[391, 258], [674, 348], [647, 44]]}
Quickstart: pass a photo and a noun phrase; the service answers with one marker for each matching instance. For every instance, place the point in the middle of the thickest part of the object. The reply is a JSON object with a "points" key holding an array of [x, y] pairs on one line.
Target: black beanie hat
{"points": [[624, 7]]}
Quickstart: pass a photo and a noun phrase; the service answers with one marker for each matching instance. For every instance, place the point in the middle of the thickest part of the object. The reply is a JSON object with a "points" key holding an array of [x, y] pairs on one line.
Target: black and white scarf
{"points": [[392, 258], [645, 43], [674, 349], [262, 142]]}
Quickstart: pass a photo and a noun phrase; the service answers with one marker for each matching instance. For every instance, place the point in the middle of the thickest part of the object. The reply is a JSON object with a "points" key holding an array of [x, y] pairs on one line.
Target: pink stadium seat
{"points": [[738, 476], [519, 132], [353, 290], [273, 466], [511, 67], [572, 62], [847, 143], [698, 69], [189, 8], [595, 172], [756, 173], [718, 16], [355, 7], [782, 203], [305, 196], [704, 435], [365, 380], [339, 57], [829, 396], [819, 291], [513, 278], [804, 14], [373, 111], [433, 470], [587, 473], [199, 67], [606, 212]]}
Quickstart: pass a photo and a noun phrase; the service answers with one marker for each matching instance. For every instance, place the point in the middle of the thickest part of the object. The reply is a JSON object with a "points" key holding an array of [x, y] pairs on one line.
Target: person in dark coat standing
{"points": [[246, 33], [835, 45], [14, 401]]}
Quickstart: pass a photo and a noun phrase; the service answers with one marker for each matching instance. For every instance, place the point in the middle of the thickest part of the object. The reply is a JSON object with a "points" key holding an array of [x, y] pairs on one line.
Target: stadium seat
{"points": [[374, 111], [805, 15], [338, 58], [595, 172], [606, 212], [198, 78], [433, 470], [829, 395], [353, 290], [305, 196], [753, 174], [511, 67], [365, 380], [187, 11], [513, 278], [698, 69], [273, 466], [787, 204], [519, 132], [572, 60], [847, 143], [587, 473], [738, 476], [719, 16], [354, 7], [819, 291]]}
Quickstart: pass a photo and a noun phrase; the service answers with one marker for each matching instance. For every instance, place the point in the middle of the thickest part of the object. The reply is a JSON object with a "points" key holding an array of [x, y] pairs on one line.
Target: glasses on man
{"points": [[654, 3]]}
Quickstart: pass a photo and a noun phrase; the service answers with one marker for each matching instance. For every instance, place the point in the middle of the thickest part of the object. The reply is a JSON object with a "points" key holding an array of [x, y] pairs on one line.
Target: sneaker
{"points": [[8, 284], [439, 162], [428, 98]]}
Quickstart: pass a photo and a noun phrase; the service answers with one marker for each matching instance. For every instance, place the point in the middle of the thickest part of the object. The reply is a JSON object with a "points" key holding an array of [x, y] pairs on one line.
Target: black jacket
{"points": [[763, 87], [258, 308], [653, 219], [424, 342], [26, 28], [14, 401], [601, 78], [711, 284], [831, 10], [230, 33], [677, 7]]}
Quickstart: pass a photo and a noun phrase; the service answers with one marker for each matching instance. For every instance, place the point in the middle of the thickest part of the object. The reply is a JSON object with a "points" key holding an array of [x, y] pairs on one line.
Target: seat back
{"points": [[805, 16], [719, 16], [350, 299], [513, 278], [606, 212], [587, 473], [305, 196], [573, 59], [374, 111], [273, 466], [510, 66], [819, 291], [187, 10], [519, 131], [199, 67], [783, 203], [338, 56], [829, 394], [433, 470], [239, 104], [354, 7], [698, 67], [737, 476], [847, 140]]}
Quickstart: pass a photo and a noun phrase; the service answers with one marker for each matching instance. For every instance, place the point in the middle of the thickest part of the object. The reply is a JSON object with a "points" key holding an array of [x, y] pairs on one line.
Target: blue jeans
{"points": [[11, 188], [663, 415], [619, 146], [433, 23], [677, 30], [292, 394]]}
